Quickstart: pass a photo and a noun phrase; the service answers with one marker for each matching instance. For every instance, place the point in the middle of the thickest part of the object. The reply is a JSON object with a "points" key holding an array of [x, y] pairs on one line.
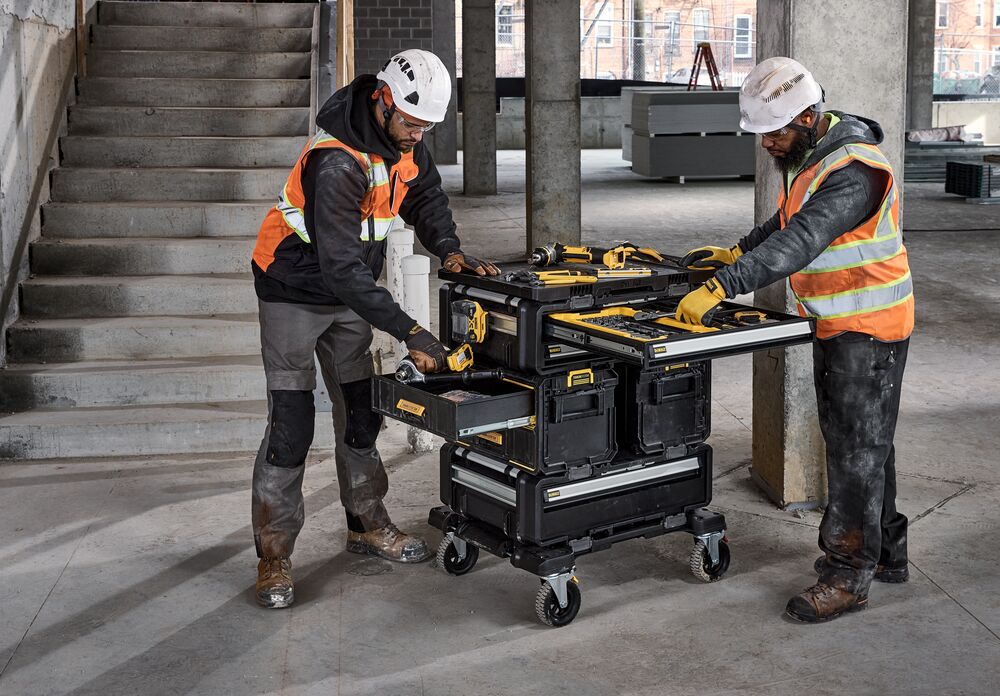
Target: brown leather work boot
{"points": [[882, 573], [274, 583], [823, 603], [390, 543]]}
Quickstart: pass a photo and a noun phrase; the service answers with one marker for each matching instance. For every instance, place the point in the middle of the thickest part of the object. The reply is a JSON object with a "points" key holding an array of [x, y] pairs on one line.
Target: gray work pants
{"points": [[290, 334]]}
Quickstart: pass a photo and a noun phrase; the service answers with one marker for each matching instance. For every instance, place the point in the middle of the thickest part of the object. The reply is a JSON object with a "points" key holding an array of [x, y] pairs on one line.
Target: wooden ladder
{"points": [[704, 54]]}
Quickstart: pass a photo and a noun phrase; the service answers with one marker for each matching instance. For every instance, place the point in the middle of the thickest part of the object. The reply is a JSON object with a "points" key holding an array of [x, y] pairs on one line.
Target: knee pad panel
{"points": [[293, 418], [363, 424]]}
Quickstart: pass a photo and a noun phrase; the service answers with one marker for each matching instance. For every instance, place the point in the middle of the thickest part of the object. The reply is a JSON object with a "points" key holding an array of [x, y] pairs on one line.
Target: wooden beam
{"points": [[345, 42], [81, 37]]}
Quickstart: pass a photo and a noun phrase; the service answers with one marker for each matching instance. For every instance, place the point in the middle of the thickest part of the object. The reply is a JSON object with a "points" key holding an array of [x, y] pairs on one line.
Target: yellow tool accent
{"points": [[461, 358], [624, 272], [520, 384], [743, 316], [564, 277], [577, 377], [677, 324], [410, 407], [468, 321], [495, 438]]}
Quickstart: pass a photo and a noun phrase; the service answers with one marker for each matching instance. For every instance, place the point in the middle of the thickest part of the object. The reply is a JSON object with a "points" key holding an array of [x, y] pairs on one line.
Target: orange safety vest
{"points": [[379, 206], [861, 282]]}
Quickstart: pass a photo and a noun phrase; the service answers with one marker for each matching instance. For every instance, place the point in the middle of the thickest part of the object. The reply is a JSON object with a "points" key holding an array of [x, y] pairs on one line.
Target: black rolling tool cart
{"points": [[595, 430]]}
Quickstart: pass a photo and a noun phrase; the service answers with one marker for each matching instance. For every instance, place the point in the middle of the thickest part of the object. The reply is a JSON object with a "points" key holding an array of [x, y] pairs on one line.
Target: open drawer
{"points": [[650, 334], [455, 412]]}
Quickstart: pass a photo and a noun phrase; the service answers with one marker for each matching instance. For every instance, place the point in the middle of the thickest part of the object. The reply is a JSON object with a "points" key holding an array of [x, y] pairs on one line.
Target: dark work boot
{"points": [[882, 573], [389, 543], [274, 583], [823, 603]]}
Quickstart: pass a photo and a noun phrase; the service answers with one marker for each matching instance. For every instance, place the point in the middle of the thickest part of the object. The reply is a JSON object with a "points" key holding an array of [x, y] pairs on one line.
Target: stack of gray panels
{"points": [[674, 132]]}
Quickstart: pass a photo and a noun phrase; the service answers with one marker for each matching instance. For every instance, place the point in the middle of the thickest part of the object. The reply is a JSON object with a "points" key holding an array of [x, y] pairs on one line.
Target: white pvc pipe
{"points": [[417, 303], [400, 246]]}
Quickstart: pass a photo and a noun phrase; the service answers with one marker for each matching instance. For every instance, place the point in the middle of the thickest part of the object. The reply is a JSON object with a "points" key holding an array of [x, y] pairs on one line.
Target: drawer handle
{"points": [[410, 407]]}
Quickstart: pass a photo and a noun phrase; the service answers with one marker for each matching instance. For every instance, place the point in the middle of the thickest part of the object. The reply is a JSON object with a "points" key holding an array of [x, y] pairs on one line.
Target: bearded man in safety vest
{"points": [[836, 236], [318, 254]]}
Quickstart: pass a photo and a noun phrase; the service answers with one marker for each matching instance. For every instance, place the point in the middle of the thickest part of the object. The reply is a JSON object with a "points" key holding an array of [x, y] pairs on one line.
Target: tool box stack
{"points": [[583, 420]]}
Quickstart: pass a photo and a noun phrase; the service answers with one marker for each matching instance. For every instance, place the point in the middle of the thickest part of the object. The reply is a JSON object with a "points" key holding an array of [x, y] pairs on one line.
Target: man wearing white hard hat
{"points": [[836, 237], [319, 252]]}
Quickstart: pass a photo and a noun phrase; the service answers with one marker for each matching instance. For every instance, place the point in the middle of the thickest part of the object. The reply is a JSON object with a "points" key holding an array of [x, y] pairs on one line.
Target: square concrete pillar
{"points": [[859, 57], [479, 97], [443, 139], [552, 119], [920, 65]]}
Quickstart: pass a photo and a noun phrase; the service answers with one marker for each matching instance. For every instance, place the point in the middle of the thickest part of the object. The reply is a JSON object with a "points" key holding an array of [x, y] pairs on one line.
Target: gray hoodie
{"points": [[844, 200]]}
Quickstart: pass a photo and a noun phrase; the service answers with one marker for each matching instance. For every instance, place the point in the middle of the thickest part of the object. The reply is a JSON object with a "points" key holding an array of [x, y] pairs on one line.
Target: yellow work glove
{"points": [[711, 257], [699, 305]]}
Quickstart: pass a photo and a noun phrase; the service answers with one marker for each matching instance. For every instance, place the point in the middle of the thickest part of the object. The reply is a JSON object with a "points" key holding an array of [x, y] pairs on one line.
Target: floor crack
{"points": [[949, 596], [942, 503]]}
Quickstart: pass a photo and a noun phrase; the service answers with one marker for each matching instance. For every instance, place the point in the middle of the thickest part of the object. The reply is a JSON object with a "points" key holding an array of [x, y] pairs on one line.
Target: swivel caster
{"points": [[456, 556], [709, 558], [553, 610]]}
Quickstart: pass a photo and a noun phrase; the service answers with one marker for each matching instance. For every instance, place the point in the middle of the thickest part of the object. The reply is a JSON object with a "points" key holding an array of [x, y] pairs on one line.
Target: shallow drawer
{"points": [[650, 335]]}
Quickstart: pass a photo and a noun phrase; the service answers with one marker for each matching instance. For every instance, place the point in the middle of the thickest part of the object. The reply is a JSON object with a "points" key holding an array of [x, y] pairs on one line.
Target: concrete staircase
{"points": [[138, 332]]}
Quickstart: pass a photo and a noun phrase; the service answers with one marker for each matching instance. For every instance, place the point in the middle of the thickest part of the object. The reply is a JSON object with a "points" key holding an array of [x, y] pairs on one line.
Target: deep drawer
{"points": [[455, 413]]}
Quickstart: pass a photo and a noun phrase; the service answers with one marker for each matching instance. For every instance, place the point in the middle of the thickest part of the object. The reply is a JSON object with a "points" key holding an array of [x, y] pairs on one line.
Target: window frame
{"points": [[942, 5], [505, 38], [697, 27]]}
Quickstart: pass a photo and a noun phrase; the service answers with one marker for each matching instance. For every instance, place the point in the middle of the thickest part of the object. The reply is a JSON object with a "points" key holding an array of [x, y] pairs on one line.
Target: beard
{"points": [[796, 154]]}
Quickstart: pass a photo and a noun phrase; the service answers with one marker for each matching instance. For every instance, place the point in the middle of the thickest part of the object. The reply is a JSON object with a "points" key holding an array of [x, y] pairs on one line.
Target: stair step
{"points": [[142, 430], [167, 184], [198, 64], [157, 219], [56, 297], [200, 38], [128, 383], [187, 121], [141, 257], [222, 14], [185, 91], [131, 338], [176, 151]]}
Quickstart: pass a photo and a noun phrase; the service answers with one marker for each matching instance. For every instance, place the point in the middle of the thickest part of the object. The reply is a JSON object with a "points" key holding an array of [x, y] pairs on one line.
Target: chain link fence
{"points": [[967, 71]]}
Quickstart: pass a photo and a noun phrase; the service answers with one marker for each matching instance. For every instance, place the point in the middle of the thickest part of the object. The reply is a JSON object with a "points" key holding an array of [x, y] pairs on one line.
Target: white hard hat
{"points": [[775, 92], [420, 84]]}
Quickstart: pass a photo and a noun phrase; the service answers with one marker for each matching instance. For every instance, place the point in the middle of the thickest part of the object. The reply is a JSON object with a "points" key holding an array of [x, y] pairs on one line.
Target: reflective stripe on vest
{"points": [[861, 282]]}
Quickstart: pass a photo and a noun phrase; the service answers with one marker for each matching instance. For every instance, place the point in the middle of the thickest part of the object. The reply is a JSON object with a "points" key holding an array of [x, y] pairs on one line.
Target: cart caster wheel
{"points": [[547, 606], [701, 565], [447, 557]]}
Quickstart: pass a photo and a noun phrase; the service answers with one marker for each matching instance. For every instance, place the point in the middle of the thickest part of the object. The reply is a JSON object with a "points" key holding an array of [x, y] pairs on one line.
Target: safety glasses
{"points": [[413, 127]]}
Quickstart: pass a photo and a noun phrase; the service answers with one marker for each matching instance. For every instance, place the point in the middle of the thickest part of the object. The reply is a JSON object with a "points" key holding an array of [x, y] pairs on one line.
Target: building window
{"points": [[942, 13], [942, 62], [701, 17], [977, 65], [741, 37], [505, 25], [604, 25], [979, 12], [996, 20]]}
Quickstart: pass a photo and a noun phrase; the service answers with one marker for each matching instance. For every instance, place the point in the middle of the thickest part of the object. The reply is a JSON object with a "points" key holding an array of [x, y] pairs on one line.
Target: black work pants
{"points": [[858, 380]]}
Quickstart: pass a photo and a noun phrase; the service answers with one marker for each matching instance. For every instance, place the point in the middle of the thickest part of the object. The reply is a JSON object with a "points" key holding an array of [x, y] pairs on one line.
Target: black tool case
{"points": [[589, 502], [664, 407], [596, 433]]}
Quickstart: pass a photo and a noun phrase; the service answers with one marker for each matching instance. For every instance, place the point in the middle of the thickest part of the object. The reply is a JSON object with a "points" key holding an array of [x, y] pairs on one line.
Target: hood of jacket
{"points": [[850, 129], [349, 116]]}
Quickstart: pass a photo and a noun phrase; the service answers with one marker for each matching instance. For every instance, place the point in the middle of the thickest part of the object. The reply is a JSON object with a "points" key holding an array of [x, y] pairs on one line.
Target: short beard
{"points": [[796, 155]]}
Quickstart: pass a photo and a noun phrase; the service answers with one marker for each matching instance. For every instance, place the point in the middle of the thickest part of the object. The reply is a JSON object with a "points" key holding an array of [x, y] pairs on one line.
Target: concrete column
{"points": [[859, 59], [552, 120], [479, 97], [443, 140], [920, 65]]}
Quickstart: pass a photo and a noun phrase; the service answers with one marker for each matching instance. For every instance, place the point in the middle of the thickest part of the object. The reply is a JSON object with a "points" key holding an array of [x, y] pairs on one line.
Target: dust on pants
{"points": [[858, 383]]}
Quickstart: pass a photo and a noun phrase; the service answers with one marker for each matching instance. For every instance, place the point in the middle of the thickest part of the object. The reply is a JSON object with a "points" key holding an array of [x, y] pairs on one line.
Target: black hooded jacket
{"points": [[845, 199], [337, 267]]}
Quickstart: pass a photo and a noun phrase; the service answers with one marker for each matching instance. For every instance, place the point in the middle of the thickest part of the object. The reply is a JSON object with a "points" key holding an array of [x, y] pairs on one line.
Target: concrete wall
{"points": [[977, 117], [600, 123], [37, 64]]}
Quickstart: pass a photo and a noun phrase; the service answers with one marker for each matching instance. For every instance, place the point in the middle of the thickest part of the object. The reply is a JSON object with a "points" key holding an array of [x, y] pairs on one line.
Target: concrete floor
{"points": [[135, 577]]}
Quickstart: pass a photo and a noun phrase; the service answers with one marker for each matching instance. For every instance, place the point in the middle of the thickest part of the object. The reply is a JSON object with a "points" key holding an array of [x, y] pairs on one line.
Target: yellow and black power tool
{"points": [[553, 254]]}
